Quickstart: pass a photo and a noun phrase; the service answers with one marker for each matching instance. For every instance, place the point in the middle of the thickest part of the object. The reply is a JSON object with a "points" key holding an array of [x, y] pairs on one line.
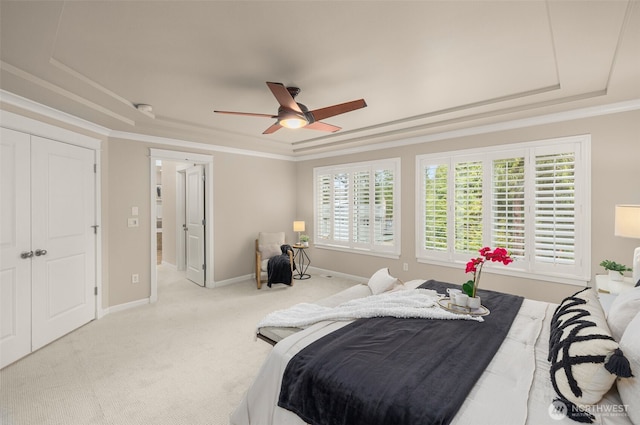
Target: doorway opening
{"points": [[182, 216]]}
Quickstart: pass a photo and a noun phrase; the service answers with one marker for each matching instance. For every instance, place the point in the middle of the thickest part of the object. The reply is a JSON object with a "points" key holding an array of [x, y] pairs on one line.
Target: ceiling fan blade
{"points": [[249, 114], [322, 126], [275, 127], [330, 111], [283, 96]]}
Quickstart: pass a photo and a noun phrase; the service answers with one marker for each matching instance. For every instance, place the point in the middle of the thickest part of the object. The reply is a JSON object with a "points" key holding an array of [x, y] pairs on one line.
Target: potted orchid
{"points": [[475, 265]]}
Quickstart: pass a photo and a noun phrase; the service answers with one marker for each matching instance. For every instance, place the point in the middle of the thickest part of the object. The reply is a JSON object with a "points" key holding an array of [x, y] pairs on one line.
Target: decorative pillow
{"points": [[584, 358], [269, 244], [623, 309], [630, 388], [381, 281], [268, 251]]}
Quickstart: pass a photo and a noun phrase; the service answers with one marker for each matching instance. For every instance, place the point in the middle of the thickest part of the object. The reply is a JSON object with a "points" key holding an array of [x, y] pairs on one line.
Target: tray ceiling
{"points": [[423, 67]]}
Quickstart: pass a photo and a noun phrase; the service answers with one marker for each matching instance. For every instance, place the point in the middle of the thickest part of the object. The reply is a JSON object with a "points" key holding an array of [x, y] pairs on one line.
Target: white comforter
{"points": [[409, 303], [514, 389]]}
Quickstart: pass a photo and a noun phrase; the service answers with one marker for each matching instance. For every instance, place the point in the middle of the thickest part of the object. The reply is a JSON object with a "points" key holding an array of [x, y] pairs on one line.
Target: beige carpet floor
{"points": [[188, 359]]}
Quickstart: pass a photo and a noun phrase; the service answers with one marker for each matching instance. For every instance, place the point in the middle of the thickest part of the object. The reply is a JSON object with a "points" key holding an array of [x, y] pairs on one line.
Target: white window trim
{"points": [[351, 247], [583, 179]]}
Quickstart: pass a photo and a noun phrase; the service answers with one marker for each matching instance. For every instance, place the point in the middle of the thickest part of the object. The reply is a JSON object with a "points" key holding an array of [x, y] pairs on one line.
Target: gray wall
{"points": [[253, 194], [615, 164]]}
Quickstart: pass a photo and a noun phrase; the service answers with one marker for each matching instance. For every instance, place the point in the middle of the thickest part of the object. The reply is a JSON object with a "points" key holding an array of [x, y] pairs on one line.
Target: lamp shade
{"points": [[298, 226], [627, 221]]}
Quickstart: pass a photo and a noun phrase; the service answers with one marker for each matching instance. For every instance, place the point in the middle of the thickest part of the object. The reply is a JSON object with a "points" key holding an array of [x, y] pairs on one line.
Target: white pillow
{"points": [[581, 350], [269, 244], [270, 250], [381, 281], [623, 309], [629, 388]]}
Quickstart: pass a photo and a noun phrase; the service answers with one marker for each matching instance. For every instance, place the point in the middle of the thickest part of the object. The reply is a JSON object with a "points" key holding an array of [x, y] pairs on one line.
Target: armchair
{"points": [[267, 246]]}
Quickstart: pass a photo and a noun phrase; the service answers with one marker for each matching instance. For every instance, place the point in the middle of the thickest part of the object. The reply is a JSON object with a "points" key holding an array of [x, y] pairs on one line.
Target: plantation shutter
{"points": [[384, 214], [324, 207], [356, 206], [361, 207], [555, 208], [530, 198], [508, 205], [341, 207], [435, 181], [468, 207]]}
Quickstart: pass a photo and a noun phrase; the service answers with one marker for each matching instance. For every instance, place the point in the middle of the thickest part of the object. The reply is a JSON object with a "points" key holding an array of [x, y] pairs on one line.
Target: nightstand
{"points": [[609, 289]]}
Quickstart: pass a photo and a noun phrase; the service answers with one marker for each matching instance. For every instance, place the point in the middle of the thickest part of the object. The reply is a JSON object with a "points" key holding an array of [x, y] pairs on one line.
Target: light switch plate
{"points": [[134, 211]]}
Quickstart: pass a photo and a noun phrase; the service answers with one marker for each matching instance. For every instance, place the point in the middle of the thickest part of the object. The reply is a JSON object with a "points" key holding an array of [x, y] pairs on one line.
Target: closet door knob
{"points": [[26, 254], [40, 252]]}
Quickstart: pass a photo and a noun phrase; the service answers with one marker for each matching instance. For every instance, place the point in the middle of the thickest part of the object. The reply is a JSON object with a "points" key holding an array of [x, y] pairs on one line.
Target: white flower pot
{"points": [[474, 303], [615, 276]]}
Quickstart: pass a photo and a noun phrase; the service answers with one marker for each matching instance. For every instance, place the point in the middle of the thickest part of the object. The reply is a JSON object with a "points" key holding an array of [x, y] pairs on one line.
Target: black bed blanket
{"points": [[389, 371]]}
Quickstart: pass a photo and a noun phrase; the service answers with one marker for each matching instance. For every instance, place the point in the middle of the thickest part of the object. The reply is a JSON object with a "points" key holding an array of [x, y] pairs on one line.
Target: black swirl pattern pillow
{"points": [[585, 359]]}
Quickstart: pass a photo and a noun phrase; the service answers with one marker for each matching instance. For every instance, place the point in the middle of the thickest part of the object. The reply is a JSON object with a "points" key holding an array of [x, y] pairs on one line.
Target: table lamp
{"points": [[627, 225], [298, 226]]}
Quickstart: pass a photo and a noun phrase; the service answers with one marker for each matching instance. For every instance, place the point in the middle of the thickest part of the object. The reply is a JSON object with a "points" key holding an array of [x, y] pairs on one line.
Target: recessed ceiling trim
{"points": [[165, 141], [450, 121], [623, 29], [40, 109], [432, 114], [55, 62], [588, 112], [183, 124], [62, 92], [614, 108]]}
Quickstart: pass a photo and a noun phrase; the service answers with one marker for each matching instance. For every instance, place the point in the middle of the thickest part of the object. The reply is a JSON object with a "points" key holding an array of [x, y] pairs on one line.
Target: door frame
{"points": [[181, 257], [195, 158], [48, 131]]}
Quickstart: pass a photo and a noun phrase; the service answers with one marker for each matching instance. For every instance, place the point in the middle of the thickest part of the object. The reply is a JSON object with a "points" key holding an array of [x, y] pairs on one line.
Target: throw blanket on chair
{"points": [[279, 267], [386, 370]]}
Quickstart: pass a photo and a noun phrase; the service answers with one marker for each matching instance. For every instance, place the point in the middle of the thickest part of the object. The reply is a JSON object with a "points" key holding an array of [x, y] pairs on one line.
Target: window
{"points": [[530, 198], [357, 207]]}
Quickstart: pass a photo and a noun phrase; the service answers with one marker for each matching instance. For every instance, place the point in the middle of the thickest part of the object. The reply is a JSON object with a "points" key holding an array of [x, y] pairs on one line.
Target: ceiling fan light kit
{"points": [[296, 115], [292, 122]]}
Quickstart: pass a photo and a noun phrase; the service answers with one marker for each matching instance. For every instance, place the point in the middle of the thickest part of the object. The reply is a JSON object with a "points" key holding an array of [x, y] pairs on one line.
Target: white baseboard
{"points": [[126, 306], [233, 280]]}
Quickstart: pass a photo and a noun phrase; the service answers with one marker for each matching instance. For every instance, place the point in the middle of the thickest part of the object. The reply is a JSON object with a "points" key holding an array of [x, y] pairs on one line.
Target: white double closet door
{"points": [[47, 242]]}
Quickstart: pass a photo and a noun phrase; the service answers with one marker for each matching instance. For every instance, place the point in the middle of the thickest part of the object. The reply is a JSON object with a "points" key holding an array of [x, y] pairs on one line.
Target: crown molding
{"points": [[588, 112], [166, 141], [46, 111]]}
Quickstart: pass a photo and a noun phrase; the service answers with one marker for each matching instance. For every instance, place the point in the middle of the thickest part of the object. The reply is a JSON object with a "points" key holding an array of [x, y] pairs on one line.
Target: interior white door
{"points": [[63, 240], [195, 224], [15, 240]]}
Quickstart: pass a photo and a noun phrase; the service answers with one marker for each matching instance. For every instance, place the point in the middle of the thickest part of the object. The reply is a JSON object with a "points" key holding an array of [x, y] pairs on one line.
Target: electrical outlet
{"points": [[405, 267], [135, 278]]}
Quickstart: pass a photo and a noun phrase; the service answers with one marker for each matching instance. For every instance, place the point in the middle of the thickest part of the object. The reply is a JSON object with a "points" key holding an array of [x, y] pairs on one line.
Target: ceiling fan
{"points": [[292, 114]]}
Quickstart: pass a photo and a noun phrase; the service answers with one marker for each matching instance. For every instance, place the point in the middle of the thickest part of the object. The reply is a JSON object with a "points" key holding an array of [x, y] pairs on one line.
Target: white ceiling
{"points": [[423, 67]]}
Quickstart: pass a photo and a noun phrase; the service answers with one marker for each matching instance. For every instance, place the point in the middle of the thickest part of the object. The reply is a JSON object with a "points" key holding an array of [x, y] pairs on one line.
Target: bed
{"points": [[514, 388]]}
